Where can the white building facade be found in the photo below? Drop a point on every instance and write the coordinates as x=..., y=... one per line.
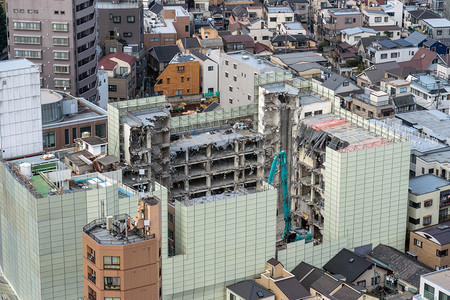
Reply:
x=279, y=14
x=20, y=109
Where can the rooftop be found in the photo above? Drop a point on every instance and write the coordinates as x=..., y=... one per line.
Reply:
x=117, y=235
x=426, y=184
x=16, y=64
x=255, y=61
x=219, y=138
x=356, y=136
x=441, y=278
x=182, y=58
x=50, y=96
x=279, y=9
x=439, y=233
x=300, y=57
x=356, y=30
x=217, y=197
x=431, y=122
x=348, y=264
x=281, y=87
x=250, y=290
x=344, y=11
x=437, y=23
x=146, y=117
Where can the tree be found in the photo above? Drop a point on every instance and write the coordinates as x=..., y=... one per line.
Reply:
x=3, y=32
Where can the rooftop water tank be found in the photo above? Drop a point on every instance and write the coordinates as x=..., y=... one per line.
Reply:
x=52, y=106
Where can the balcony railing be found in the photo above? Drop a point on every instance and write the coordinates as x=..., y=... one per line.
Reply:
x=92, y=278
x=91, y=257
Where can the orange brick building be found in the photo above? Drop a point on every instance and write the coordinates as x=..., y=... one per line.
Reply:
x=121, y=255
x=180, y=77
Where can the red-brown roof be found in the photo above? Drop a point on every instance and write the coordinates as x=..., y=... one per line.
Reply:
x=261, y=47
x=109, y=64
x=425, y=56
x=242, y=38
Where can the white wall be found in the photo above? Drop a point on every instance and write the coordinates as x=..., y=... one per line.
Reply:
x=355, y=38
x=210, y=78
x=403, y=54
x=20, y=109
x=102, y=88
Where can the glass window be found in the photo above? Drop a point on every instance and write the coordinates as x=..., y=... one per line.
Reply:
x=112, y=88
x=403, y=90
x=116, y=19
x=181, y=68
x=442, y=253
x=112, y=283
x=127, y=34
x=86, y=129
x=27, y=25
x=112, y=298
x=60, y=27
x=235, y=65
x=60, y=41
x=443, y=296
x=210, y=68
x=131, y=19
x=428, y=203
x=61, y=69
x=49, y=139
x=414, y=221
x=62, y=55
x=414, y=204
x=66, y=136
x=28, y=53
x=100, y=130
x=429, y=292
x=179, y=92
x=170, y=234
x=111, y=262
x=74, y=133
x=232, y=296
x=226, y=74
x=384, y=56
x=123, y=70
x=62, y=83
x=427, y=220
x=170, y=217
x=377, y=19
x=31, y=40
x=273, y=19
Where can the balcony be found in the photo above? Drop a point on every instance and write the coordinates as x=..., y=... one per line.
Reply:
x=91, y=258
x=92, y=278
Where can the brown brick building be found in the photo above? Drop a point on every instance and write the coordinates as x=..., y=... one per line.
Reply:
x=432, y=245
x=121, y=255
x=180, y=77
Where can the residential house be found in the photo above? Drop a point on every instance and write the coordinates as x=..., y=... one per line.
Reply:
x=344, y=58
x=436, y=28
x=263, y=50
x=290, y=59
x=172, y=23
x=281, y=282
x=326, y=286
x=365, y=42
x=356, y=269
x=391, y=31
x=334, y=20
x=121, y=70
x=371, y=104
x=431, y=92
x=256, y=11
x=180, y=77
x=249, y=290
x=340, y=85
x=258, y=30
x=238, y=42
x=209, y=74
x=373, y=74
x=431, y=245
x=279, y=14
x=427, y=60
x=187, y=44
x=159, y=57
x=400, y=92
x=395, y=50
x=394, y=9
x=416, y=38
x=435, y=283
x=406, y=270
x=310, y=70
x=427, y=195
x=353, y=35
x=288, y=43
x=293, y=28
x=413, y=18
x=436, y=46
x=376, y=17
x=300, y=8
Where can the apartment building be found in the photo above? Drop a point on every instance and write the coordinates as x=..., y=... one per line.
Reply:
x=430, y=91
x=121, y=28
x=121, y=70
x=171, y=24
x=436, y=28
x=66, y=118
x=279, y=14
x=428, y=196
x=237, y=77
x=66, y=56
x=430, y=245
x=383, y=51
x=180, y=77
x=20, y=115
x=433, y=285
x=46, y=261
x=121, y=254
x=376, y=17
x=370, y=104
x=353, y=35
x=209, y=74
x=333, y=20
